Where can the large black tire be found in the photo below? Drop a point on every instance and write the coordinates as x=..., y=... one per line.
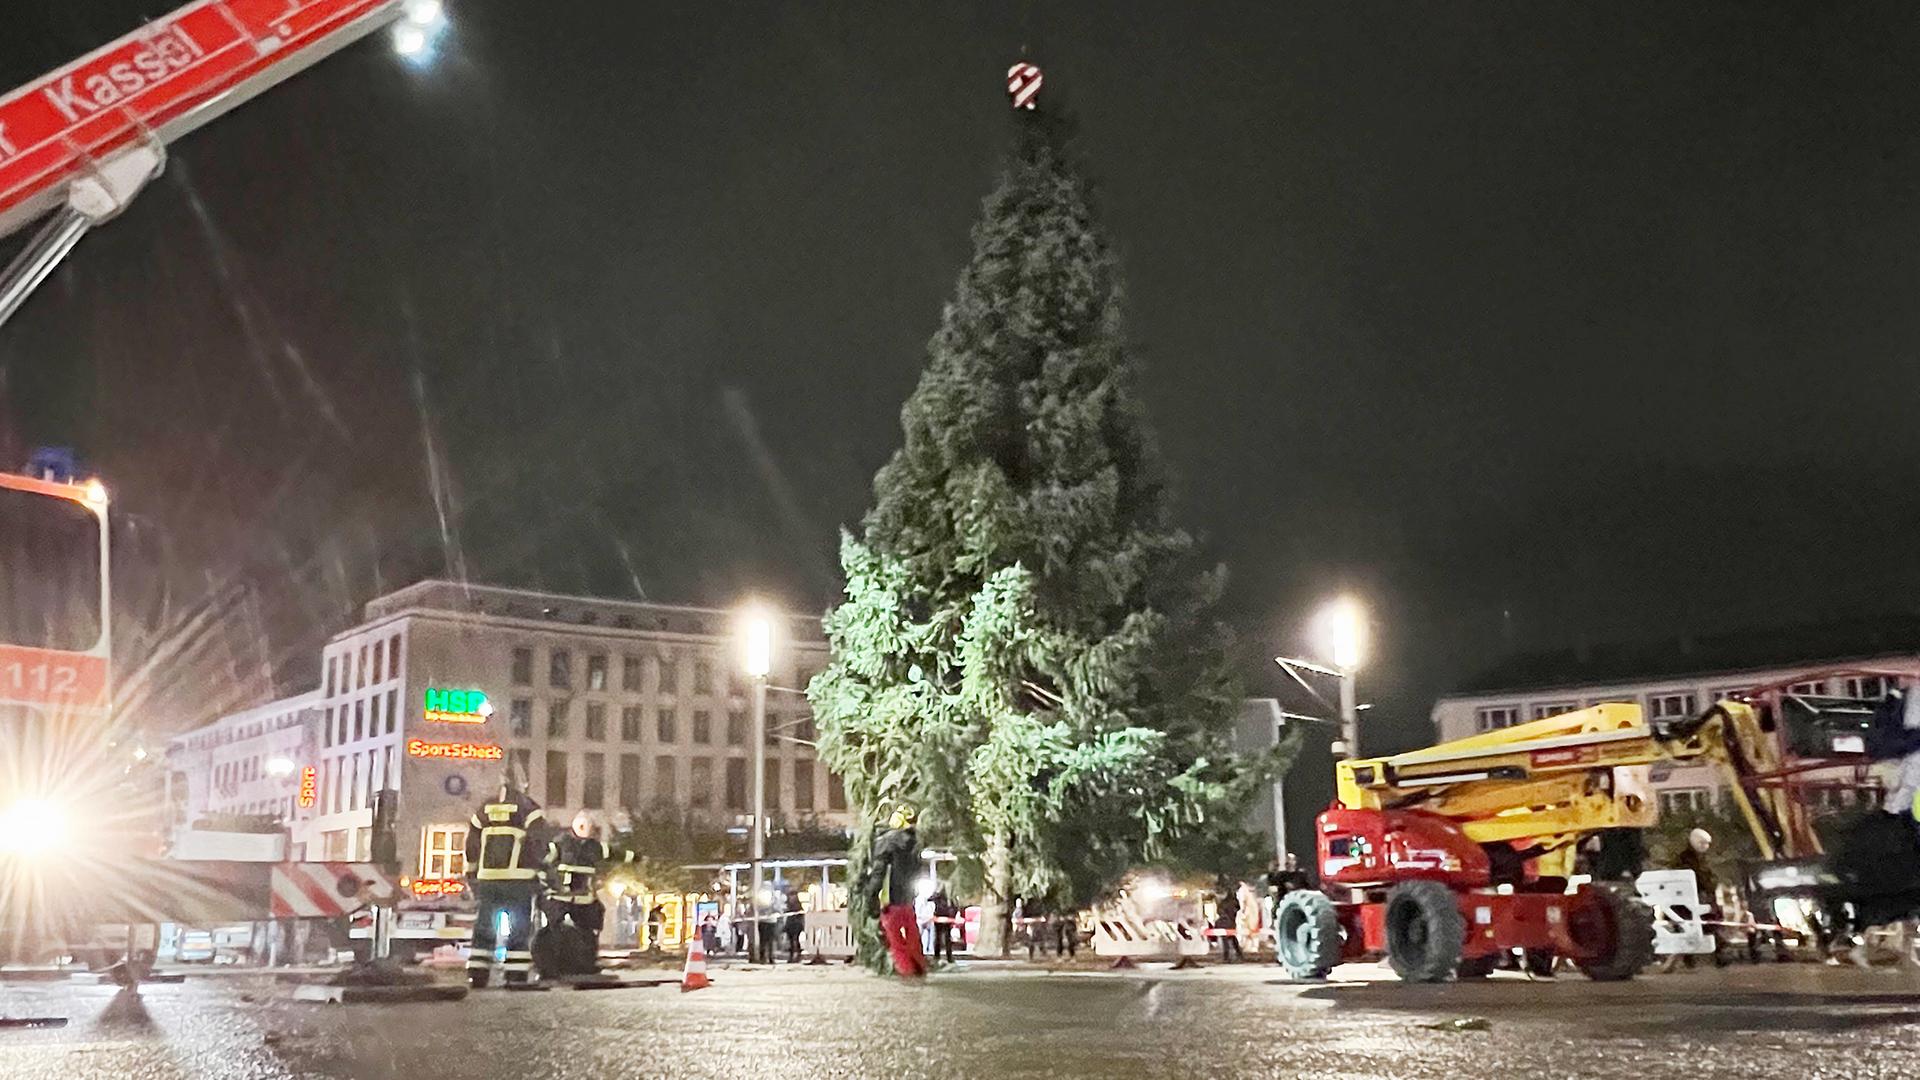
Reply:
x=1425, y=931
x=1306, y=934
x=1618, y=925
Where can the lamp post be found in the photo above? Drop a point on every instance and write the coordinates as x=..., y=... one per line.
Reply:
x=756, y=641
x=1341, y=627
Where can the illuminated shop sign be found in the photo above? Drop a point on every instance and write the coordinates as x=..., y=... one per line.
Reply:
x=431, y=887
x=309, y=786
x=457, y=706
x=455, y=751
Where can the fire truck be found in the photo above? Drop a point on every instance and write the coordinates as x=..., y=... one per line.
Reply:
x=76, y=146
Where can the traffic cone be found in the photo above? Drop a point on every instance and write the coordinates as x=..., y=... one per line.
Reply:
x=695, y=975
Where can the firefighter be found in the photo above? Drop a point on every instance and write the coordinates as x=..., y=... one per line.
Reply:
x=572, y=872
x=502, y=837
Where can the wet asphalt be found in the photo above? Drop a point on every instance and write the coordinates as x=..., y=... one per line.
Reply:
x=993, y=1021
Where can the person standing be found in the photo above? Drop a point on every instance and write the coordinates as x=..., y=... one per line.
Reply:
x=1694, y=857
x=943, y=915
x=656, y=927
x=572, y=872
x=1226, y=918
x=1066, y=934
x=795, y=925
x=888, y=885
x=502, y=836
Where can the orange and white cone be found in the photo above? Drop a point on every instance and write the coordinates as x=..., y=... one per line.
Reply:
x=695, y=975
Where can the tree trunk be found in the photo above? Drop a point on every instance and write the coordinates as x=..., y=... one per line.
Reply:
x=995, y=941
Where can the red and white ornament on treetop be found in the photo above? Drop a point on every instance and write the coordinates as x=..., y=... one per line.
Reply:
x=1023, y=84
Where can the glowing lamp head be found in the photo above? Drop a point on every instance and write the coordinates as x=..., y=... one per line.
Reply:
x=1341, y=630
x=756, y=641
x=32, y=827
x=279, y=766
x=409, y=39
x=95, y=492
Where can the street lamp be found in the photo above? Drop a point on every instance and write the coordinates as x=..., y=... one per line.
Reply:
x=1340, y=629
x=756, y=659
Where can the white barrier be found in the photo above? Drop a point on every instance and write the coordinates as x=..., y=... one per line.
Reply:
x=1674, y=896
x=828, y=935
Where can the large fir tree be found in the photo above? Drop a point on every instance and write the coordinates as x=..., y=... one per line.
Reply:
x=1027, y=650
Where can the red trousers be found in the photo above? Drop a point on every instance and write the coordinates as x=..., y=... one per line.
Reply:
x=902, y=932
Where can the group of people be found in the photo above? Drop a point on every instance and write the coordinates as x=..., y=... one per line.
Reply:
x=517, y=862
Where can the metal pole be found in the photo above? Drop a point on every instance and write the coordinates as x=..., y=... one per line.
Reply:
x=1279, y=804
x=1349, y=716
x=39, y=258
x=759, y=838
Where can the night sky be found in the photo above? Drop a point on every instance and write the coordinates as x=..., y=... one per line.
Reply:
x=1531, y=324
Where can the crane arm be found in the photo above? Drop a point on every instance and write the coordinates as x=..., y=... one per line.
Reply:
x=81, y=141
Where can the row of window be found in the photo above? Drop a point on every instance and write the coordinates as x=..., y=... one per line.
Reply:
x=1667, y=704
x=347, y=781
x=222, y=736
x=580, y=780
x=665, y=666
x=279, y=808
x=356, y=720
x=1695, y=800
x=666, y=723
x=229, y=773
x=370, y=665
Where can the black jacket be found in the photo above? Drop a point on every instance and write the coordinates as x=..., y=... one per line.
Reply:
x=895, y=866
x=502, y=837
x=573, y=867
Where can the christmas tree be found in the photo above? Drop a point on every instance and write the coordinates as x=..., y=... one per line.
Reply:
x=1027, y=651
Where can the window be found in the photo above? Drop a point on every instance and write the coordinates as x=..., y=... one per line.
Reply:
x=353, y=790
x=774, y=722
x=805, y=731
x=1551, y=708
x=443, y=851
x=557, y=718
x=1808, y=689
x=520, y=717
x=700, y=783
x=1493, y=717
x=1669, y=706
x=1726, y=692
x=1686, y=800
x=664, y=788
x=360, y=670
x=737, y=784
x=560, y=670
x=379, y=664
x=333, y=669
x=523, y=667
x=359, y=720
x=669, y=678
x=597, y=672
x=666, y=726
x=593, y=786
x=630, y=673
x=773, y=786
x=556, y=777
x=326, y=730
x=629, y=781
x=803, y=785
x=702, y=726
x=393, y=708
x=736, y=728
x=596, y=721
x=373, y=710
x=1864, y=687
x=702, y=677
x=393, y=657
x=522, y=765
x=630, y=724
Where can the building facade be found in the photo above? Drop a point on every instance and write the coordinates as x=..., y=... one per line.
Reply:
x=246, y=763
x=610, y=706
x=1536, y=687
